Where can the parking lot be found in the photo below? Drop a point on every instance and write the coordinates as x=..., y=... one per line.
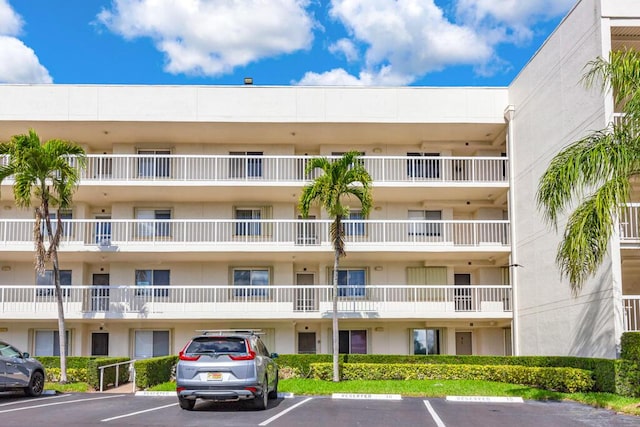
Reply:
x=92, y=409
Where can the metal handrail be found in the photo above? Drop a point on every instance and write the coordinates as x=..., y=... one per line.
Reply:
x=132, y=369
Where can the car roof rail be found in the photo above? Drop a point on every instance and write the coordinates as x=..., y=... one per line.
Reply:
x=230, y=331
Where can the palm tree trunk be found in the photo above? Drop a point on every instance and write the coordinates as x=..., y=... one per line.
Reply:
x=334, y=317
x=61, y=329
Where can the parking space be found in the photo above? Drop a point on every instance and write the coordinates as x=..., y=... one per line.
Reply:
x=87, y=409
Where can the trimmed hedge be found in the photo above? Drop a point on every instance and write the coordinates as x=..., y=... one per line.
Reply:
x=150, y=372
x=73, y=362
x=93, y=373
x=74, y=375
x=630, y=346
x=604, y=370
x=568, y=380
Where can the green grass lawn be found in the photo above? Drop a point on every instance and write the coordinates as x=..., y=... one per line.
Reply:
x=442, y=388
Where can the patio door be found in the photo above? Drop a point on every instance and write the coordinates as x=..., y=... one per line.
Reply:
x=100, y=293
x=462, y=297
x=305, y=296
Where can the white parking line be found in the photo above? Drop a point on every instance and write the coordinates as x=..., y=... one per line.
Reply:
x=138, y=412
x=275, y=417
x=59, y=403
x=18, y=402
x=434, y=415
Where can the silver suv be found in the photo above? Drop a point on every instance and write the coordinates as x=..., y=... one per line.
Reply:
x=226, y=366
x=20, y=372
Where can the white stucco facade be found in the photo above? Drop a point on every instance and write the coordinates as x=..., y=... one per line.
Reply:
x=186, y=215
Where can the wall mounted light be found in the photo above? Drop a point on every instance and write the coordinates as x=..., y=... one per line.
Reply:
x=377, y=150
x=248, y=80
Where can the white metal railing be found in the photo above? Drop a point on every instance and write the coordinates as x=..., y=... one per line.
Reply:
x=213, y=301
x=132, y=373
x=629, y=219
x=631, y=312
x=299, y=232
x=252, y=168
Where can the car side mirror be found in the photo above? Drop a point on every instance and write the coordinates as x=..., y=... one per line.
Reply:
x=25, y=355
x=274, y=355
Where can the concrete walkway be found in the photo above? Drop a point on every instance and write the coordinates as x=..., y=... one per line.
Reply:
x=121, y=389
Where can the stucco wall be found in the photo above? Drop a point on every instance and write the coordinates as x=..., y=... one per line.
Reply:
x=552, y=109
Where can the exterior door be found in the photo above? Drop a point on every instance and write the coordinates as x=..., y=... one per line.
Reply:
x=100, y=344
x=462, y=297
x=306, y=343
x=463, y=343
x=100, y=293
x=103, y=230
x=305, y=296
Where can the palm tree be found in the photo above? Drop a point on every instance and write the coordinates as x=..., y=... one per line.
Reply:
x=44, y=172
x=341, y=179
x=596, y=171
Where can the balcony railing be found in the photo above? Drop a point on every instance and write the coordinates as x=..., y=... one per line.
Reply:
x=631, y=312
x=401, y=301
x=629, y=217
x=288, y=169
x=298, y=232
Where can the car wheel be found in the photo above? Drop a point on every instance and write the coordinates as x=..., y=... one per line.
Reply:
x=273, y=394
x=187, y=404
x=260, y=402
x=36, y=385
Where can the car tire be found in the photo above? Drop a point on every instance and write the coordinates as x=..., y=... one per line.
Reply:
x=273, y=394
x=186, y=404
x=260, y=401
x=36, y=385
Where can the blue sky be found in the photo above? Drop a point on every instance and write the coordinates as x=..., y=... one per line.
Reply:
x=277, y=42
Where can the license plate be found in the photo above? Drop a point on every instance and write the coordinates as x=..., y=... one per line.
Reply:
x=214, y=376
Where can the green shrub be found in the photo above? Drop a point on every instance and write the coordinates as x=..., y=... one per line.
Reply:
x=74, y=375
x=301, y=363
x=154, y=371
x=558, y=379
x=627, y=381
x=73, y=362
x=630, y=346
x=109, y=376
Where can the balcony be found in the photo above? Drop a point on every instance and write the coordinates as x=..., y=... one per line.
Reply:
x=229, y=169
x=631, y=312
x=629, y=217
x=257, y=302
x=281, y=235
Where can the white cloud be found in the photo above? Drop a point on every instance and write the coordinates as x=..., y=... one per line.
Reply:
x=18, y=62
x=406, y=39
x=10, y=21
x=515, y=19
x=213, y=37
x=345, y=47
x=340, y=77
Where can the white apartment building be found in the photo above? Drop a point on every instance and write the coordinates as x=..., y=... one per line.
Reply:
x=186, y=215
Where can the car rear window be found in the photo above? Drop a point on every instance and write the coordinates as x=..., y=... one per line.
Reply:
x=217, y=345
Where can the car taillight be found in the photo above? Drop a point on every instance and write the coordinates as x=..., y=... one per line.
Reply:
x=183, y=356
x=250, y=356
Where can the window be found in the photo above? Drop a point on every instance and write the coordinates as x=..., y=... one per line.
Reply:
x=150, y=344
x=351, y=282
x=47, y=343
x=421, y=226
x=246, y=164
x=47, y=280
x=422, y=166
x=67, y=227
x=154, y=164
x=426, y=341
x=159, y=224
x=250, y=277
x=352, y=342
x=245, y=226
x=148, y=278
x=354, y=228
